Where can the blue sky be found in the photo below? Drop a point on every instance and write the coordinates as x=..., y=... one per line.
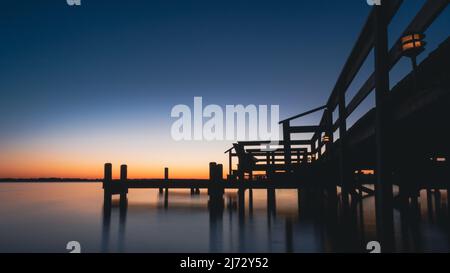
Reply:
x=116, y=68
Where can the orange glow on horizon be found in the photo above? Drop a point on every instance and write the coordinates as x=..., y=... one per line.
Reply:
x=75, y=154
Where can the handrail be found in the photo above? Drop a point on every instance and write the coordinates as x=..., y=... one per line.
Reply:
x=303, y=114
x=427, y=14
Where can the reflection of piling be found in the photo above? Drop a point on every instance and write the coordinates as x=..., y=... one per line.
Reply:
x=271, y=201
x=250, y=202
x=437, y=202
x=448, y=199
x=122, y=224
x=289, y=236
x=241, y=205
x=106, y=226
x=166, y=198
x=430, y=205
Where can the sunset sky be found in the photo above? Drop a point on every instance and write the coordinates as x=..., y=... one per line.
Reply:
x=81, y=86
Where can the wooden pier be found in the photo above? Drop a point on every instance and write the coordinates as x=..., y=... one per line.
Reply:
x=402, y=141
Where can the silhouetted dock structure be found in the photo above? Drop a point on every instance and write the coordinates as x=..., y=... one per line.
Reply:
x=403, y=140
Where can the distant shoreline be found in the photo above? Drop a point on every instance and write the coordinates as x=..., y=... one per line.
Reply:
x=47, y=180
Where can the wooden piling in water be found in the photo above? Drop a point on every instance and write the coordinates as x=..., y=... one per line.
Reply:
x=107, y=179
x=215, y=189
x=166, y=178
x=123, y=186
x=107, y=175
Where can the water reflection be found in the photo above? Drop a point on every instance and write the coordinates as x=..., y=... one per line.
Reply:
x=46, y=216
x=307, y=220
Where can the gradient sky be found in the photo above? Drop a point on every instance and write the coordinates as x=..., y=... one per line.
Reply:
x=81, y=86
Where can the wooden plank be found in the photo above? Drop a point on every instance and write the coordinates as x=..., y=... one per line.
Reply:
x=279, y=143
x=306, y=129
x=277, y=151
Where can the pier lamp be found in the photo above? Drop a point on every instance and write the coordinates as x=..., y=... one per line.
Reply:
x=412, y=45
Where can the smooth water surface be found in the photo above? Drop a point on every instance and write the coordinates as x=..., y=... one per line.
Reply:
x=44, y=217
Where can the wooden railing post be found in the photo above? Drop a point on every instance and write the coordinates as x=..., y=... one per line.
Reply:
x=329, y=131
x=287, y=144
x=344, y=176
x=383, y=185
x=230, y=163
x=319, y=146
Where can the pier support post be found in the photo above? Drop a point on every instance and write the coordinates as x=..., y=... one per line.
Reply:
x=383, y=185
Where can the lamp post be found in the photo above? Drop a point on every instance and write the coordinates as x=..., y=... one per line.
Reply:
x=412, y=45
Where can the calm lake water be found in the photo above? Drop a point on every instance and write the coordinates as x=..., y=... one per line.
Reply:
x=44, y=217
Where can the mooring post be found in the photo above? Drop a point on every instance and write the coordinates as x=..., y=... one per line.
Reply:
x=123, y=185
x=107, y=180
x=212, y=171
x=166, y=177
x=212, y=177
x=219, y=179
x=215, y=187
x=219, y=172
